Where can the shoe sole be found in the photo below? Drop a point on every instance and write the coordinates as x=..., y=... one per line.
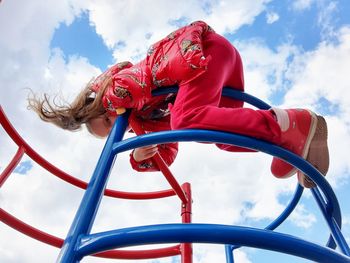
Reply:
x=313, y=128
x=318, y=154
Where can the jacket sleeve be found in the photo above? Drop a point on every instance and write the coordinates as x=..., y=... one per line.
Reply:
x=128, y=88
x=167, y=151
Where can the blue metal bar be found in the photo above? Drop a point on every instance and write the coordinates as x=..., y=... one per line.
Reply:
x=238, y=140
x=86, y=213
x=333, y=222
x=285, y=213
x=325, y=211
x=229, y=253
x=239, y=95
x=208, y=233
x=338, y=236
x=232, y=139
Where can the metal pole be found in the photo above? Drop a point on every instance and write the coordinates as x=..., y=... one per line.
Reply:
x=186, y=214
x=86, y=213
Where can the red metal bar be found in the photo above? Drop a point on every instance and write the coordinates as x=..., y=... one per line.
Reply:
x=12, y=165
x=139, y=196
x=141, y=254
x=11, y=131
x=28, y=230
x=163, y=167
x=186, y=214
x=44, y=237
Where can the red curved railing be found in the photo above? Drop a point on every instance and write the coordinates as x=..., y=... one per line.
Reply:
x=11, y=131
x=49, y=239
x=15, y=223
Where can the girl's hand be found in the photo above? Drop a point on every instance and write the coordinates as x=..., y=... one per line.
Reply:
x=144, y=153
x=120, y=111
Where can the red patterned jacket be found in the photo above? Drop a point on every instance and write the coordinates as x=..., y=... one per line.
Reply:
x=176, y=59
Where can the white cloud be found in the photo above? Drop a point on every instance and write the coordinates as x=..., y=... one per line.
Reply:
x=215, y=253
x=326, y=17
x=313, y=74
x=302, y=4
x=134, y=25
x=272, y=17
x=302, y=217
x=265, y=68
x=324, y=73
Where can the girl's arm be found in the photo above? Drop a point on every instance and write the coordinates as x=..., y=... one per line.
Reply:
x=167, y=151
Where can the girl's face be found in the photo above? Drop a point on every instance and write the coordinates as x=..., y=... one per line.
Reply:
x=102, y=125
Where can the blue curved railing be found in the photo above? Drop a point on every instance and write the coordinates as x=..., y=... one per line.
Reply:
x=208, y=233
x=80, y=242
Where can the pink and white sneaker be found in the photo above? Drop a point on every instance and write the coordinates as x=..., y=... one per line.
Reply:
x=305, y=134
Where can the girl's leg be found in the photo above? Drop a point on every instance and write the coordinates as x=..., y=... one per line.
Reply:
x=198, y=102
x=198, y=106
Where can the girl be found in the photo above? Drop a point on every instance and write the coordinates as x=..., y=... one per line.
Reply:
x=201, y=62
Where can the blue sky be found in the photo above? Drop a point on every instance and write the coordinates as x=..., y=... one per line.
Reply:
x=80, y=39
x=302, y=28
x=295, y=54
x=24, y=167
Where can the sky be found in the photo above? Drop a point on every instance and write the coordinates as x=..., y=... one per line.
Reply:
x=295, y=54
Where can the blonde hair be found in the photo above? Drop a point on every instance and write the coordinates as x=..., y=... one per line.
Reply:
x=70, y=116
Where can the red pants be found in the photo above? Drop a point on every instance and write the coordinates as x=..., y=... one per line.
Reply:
x=199, y=103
